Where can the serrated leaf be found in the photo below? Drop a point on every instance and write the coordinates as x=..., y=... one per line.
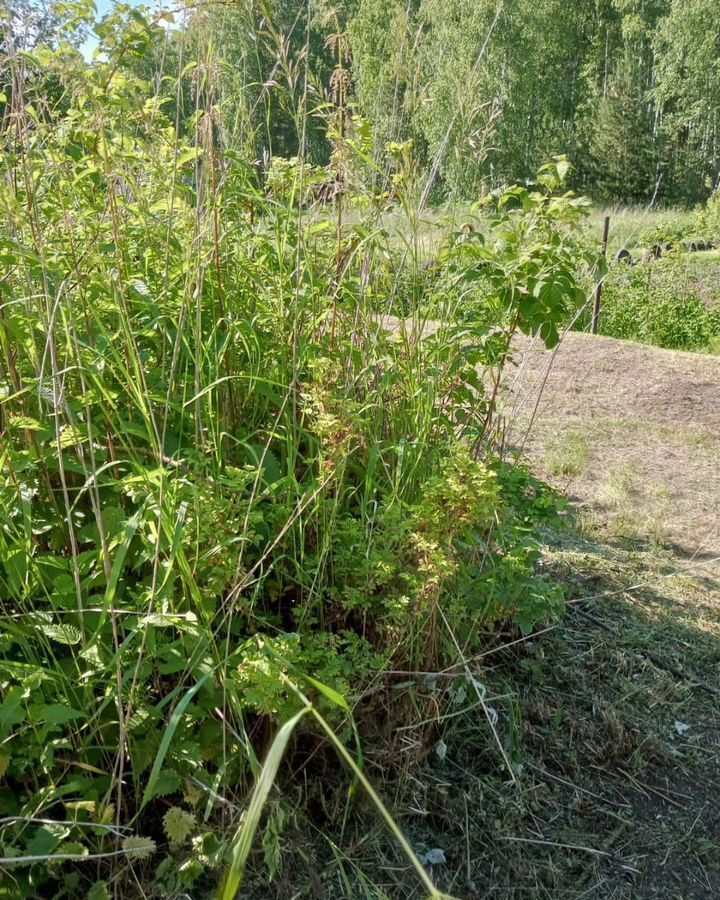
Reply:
x=92, y=656
x=167, y=782
x=63, y=634
x=139, y=847
x=70, y=437
x=71, y=848
x=99, y=891
x=25, y=423
x=178, y=824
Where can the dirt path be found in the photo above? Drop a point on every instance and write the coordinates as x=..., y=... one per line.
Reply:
x=629, y=432
x=632, y=434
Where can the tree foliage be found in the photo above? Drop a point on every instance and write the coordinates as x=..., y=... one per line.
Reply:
x=628, y=88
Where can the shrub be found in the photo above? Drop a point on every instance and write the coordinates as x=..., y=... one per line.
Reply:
x=220, y=470
x=673, y=230
x=660, y=304
x=707, y=219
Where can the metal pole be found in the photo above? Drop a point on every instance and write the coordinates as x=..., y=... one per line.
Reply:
x=598, y=289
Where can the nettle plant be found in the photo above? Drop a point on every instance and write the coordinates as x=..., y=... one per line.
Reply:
x=220, y=472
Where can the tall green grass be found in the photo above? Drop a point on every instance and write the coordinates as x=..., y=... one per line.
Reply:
x=228, y=470
x=636, y=228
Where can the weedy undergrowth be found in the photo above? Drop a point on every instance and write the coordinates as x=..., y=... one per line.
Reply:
x=670, y=303
x=228, y=482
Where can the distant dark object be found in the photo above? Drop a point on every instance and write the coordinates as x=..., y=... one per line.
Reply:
x=698, y=245
x=328, y=191
x=430, y=268
x=658, y=250
x=623, y=256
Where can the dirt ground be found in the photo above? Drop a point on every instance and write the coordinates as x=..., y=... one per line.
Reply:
x=631, y=433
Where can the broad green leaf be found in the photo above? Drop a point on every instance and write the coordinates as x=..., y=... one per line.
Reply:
x=12, y=709
x=55, y=713
x=332, y=695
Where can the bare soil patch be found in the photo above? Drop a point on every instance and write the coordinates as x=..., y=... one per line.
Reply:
x=631, y=432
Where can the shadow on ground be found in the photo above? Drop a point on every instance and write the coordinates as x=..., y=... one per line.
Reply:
x=617, y=750
x=610, y=720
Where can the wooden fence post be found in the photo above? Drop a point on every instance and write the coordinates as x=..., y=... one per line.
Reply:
x=598, y=289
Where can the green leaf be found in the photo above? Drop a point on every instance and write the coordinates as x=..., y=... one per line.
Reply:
x=167, y=738
x=55, y=713
x=71, y=848
x=178, y=824
x=332, y=695
x=242, y=843
x=25, y=423
x=131, y=527
x=63, y=634
x=189, y=156
x=12, y=711
x=99, y=891
x=46, y=839
x=168, y=782
x=139, y=847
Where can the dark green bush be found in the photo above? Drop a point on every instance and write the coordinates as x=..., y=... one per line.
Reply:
x=671, y=303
